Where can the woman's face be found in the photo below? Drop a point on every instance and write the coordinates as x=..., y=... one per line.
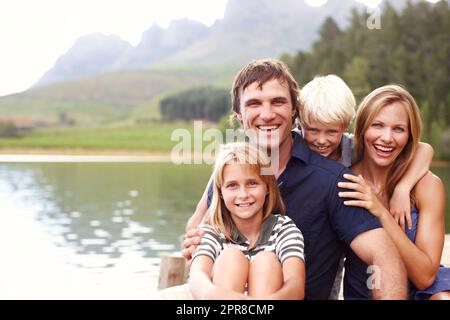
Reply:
x=387, y=135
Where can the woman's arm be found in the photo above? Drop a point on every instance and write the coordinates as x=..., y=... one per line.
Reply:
x=294, y=279
x=430, y=237
x=201, y=285
x=399, y=203
x=422, y=258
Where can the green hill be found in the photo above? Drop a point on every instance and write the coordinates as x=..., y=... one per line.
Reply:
x=110, y=97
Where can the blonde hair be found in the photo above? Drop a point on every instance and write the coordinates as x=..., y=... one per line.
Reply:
x=369, y=109
x=218, y=216
x=327, y=99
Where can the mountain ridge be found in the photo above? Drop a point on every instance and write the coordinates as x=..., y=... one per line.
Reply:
x=250, y=29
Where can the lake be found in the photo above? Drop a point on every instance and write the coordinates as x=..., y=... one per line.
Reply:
x=95, y=230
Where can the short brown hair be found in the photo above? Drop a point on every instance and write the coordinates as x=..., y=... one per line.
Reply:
x=262, y=71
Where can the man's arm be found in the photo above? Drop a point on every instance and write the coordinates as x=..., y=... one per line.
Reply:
x=400, y=201
x=199, y=213
x=193, y=234
x=376, y=249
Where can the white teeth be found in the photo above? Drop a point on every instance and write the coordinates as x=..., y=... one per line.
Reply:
x=267, y=127
x=244, y=205
x=383, y=149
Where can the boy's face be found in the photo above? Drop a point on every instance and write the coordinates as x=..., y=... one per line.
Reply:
x=324, y=138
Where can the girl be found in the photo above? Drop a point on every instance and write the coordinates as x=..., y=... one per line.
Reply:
x=248, y=243
x=387, y=132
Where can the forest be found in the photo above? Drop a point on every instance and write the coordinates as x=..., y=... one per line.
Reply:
x=411, y=48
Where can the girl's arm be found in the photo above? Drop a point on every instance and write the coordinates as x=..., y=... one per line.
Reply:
x=399, y=203
x=201, y=285
x=294, y=279
x=422, y=258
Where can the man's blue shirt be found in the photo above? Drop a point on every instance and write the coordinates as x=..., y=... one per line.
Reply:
x=309, y=189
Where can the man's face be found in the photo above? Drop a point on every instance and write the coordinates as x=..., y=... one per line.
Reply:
x=324, y=138
x=266, y=113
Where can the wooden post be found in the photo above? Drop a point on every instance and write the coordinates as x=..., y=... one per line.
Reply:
x=172, y=270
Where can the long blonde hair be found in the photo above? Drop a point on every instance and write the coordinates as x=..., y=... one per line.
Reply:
x=218, y=216
x=369, y=109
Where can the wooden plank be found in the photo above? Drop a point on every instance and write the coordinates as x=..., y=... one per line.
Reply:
x=172, y=271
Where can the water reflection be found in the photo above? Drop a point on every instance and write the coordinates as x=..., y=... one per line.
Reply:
x=104, y=215
x=108, y=208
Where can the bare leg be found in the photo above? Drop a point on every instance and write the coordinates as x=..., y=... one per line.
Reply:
x=265, y=276
x=444, y=295
x=231, y=270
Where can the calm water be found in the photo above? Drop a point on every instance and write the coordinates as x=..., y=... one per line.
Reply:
x=93, y=230
x=102, y=224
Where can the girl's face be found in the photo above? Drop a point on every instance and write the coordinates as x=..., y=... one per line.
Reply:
x=388, y=134
x=243, y=192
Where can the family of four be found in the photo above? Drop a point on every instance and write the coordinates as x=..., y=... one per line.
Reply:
x=285, y=231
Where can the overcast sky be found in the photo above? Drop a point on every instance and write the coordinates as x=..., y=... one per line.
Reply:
x=33, y=34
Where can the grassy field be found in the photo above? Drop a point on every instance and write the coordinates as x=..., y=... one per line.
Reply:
x=152, y=137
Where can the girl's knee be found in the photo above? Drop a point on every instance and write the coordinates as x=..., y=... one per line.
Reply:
x=265, y=257
x=265, y=275
x=266, y=262
x=232, y=253
x=232, y=259
x=230, y=270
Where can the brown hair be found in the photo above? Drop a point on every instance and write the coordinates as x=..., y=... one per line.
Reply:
x=262, y=71
x=369, y=109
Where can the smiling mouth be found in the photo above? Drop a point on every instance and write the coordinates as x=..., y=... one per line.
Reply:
x=267, y=128
x=321, y=148
x=383, y=150
x=245, y=204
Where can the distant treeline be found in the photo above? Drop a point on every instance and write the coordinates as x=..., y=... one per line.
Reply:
x=201, y=103
x=412, y=48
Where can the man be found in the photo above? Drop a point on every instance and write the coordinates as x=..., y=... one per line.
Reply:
x=265, y=100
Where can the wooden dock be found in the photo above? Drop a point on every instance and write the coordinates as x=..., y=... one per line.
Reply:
x=182, y=292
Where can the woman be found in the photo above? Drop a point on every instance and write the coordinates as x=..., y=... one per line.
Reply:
x=387, y=133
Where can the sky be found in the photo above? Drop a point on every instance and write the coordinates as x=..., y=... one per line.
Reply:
x=34, y=34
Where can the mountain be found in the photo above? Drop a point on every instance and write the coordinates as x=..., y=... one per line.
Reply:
x=157, y=43
x=250, y=29
x=262, y=28
x=91, y=54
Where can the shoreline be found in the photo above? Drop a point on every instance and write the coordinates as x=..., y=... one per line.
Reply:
x=106, y=155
